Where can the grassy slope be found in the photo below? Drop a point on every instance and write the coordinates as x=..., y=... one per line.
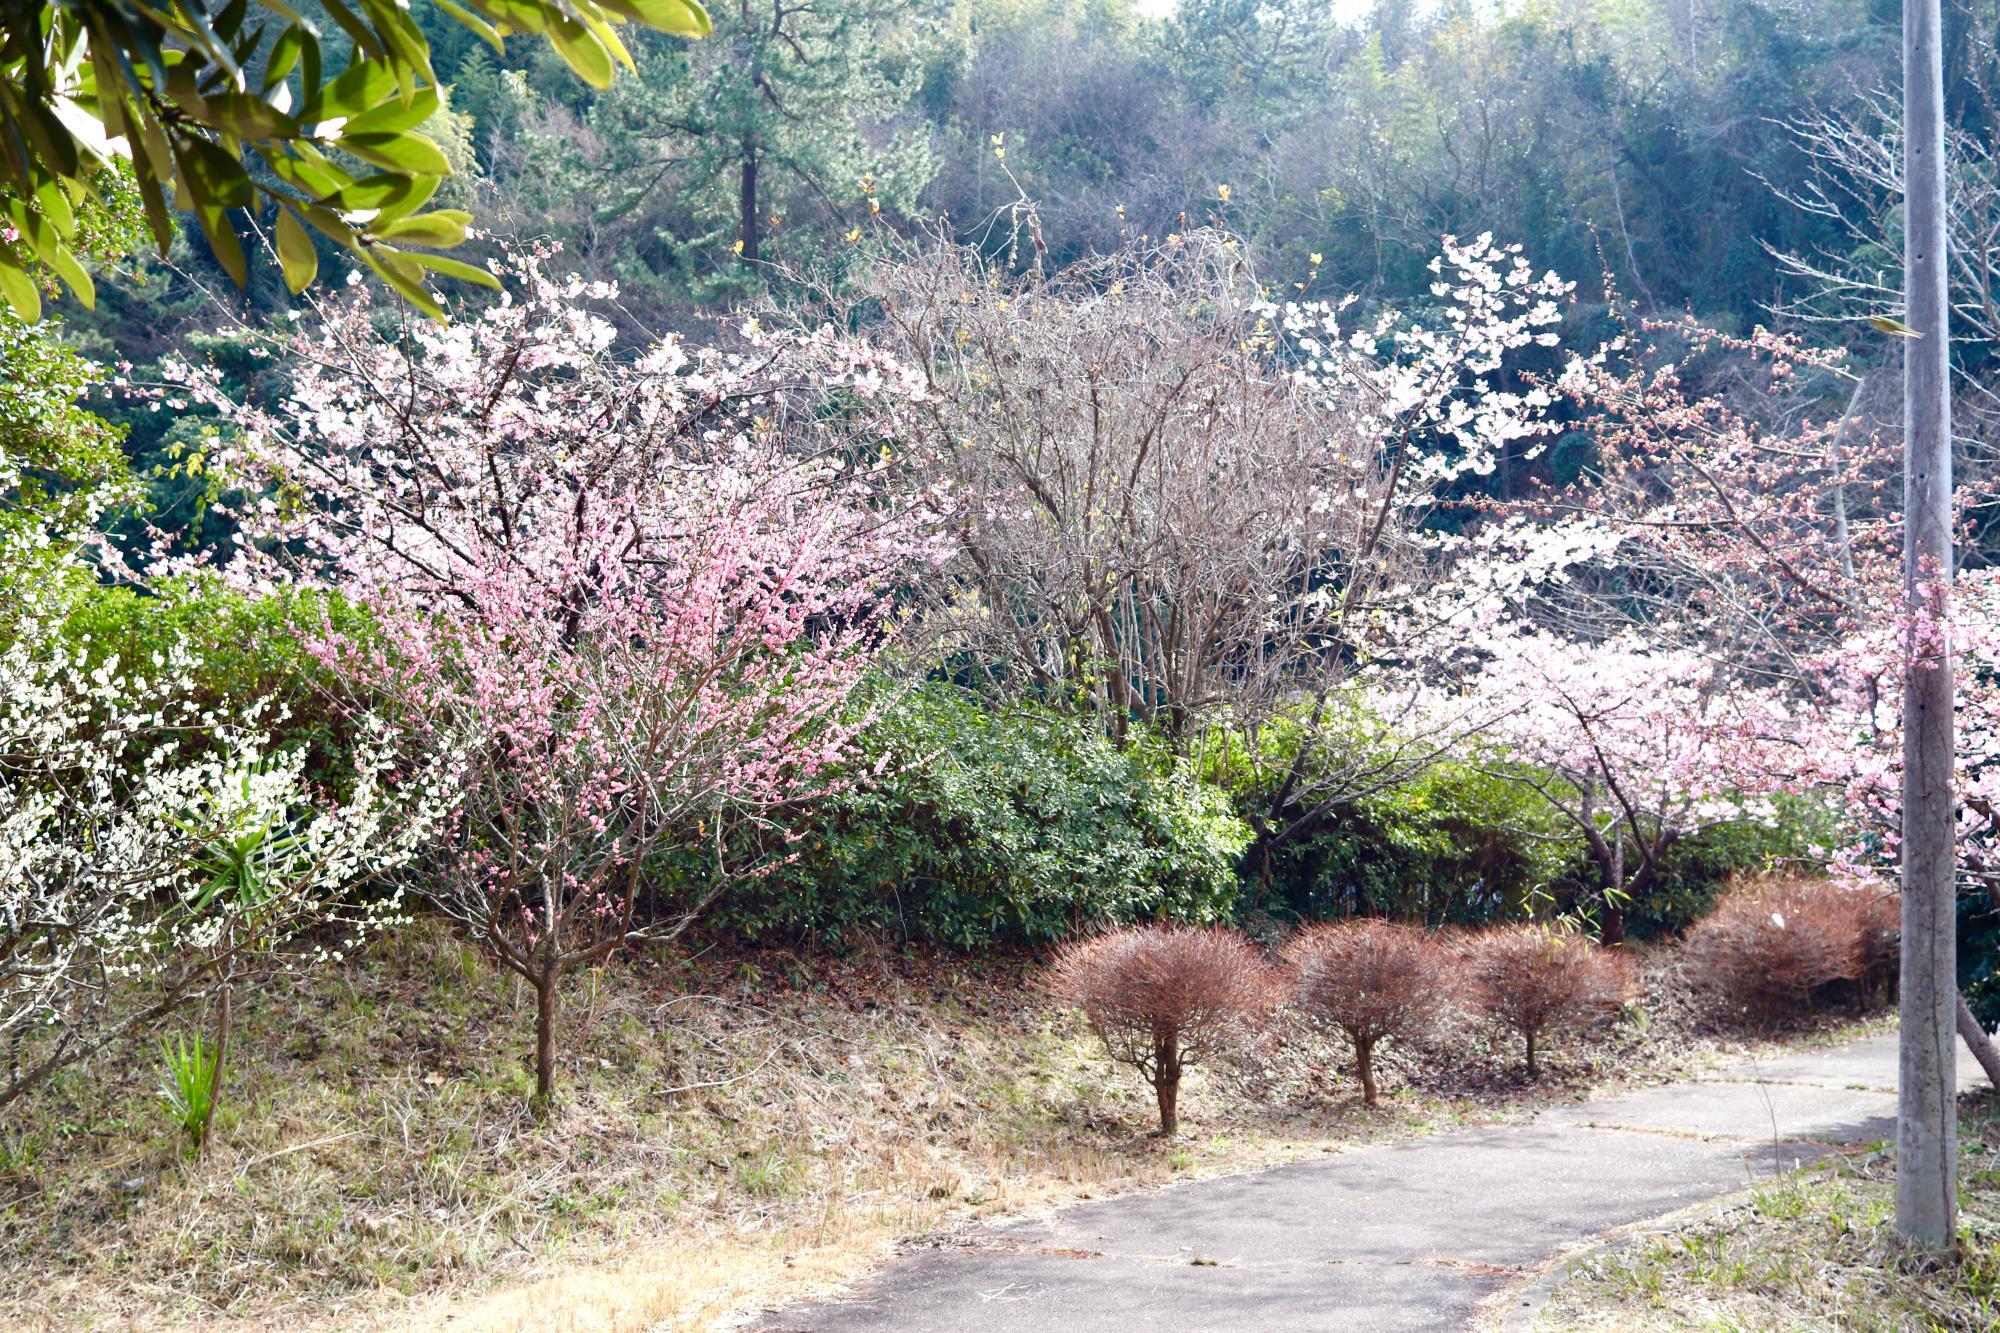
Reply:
x=734, y=1131
x=1813, y=1251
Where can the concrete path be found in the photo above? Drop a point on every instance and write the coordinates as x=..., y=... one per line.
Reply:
x=1422, y=1234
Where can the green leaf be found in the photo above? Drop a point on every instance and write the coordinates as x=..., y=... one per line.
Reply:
x=607, y=36
x=285, y=53
x=581, y=51
x=20, y=291
x=74, y=275
x=215, y=183
x=479, y=26
x=210, y=173
x=361, y=87
x=443, y=228
x=310, y=172
x=402, y=273
x=408, y=152
x=364, y=36
x=249, y=117
x=41, y=235
x=378, y=191
x=49, y=136
x=520, y=15
x=329, y=224
x=296, y=254
x=56, y=208
x=681, y=17
x=452, y=268
x=393, y=116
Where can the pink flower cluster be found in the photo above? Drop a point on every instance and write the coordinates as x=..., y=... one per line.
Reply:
x=626, y=595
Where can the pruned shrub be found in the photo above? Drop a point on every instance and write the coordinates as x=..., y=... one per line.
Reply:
x=1774, y=943
x=1373, y=980
x=1163, y=997
x=1534, y=980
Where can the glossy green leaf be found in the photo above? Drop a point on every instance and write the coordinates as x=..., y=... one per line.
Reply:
x=520, y=15
x=443, y=229
x=250, y=117
x=581, y=51
x=361, y=87
x=20, y=291
x=454, y=268
x=309, y=172
x=64, y=263
x=406, y=151
x=403, y=274
x=1886, y=324
x=485, y=31
x=393, y=116
x=56, y=208
x=676, y=16
x=296, y=255
x=211, y=174
x=284, y=57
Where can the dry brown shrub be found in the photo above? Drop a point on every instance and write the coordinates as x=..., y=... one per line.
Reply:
x=1164, y=997
x=1535, y=980
x=1374, y=980
x=1773, y=942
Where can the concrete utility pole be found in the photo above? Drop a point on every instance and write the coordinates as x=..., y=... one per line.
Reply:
x=1927, y=1111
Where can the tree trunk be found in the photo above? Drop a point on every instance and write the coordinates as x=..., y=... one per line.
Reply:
x=1927, y=1112
x=746, y=203
x=1611, y=930
x=1979, y=1041
x=1167, y=1082
x=1364, y=1065
x=545, y=1041
x=1533, y=1071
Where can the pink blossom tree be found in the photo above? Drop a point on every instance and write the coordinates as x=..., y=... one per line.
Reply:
x=1637, y=746
x=627, y=597
x=1745, y=503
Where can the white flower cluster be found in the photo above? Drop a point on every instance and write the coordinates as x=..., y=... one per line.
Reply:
x=1429, y=382
x=149, y=848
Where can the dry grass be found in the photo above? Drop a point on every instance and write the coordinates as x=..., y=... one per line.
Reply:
x=734, y=1131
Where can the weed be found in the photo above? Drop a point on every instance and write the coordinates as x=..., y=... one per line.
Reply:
x=189, y=1087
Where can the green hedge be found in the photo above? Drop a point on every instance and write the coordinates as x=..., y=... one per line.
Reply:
x=991, y=824
x=1454, y=845
x=1459, y=844
x=247, y=648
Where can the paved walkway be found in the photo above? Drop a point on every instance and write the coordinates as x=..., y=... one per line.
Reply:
x=1412, y=1235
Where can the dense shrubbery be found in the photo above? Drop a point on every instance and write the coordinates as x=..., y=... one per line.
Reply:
x=1450, y=846
x=242, y=648
x=994, y=824
x=1776, y=943
x=1455, y=843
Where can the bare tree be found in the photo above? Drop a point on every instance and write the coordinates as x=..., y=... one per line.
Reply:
x=1155, y=521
